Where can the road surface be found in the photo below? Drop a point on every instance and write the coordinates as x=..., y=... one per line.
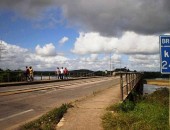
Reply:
x=16, y=109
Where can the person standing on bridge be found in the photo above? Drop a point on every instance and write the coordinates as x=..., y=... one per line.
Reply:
x=58, y=73
x=65, y=73
x=61, y=73
x=27, y=73
x=31, y=73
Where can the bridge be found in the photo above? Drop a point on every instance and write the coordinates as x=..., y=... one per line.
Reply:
x=130, y=82
x=23, y=101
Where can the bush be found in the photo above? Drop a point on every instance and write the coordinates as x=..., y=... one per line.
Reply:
x=150, y=113
x=122, y=107
x=127, y=106
x=47, y=121
x=162, y=97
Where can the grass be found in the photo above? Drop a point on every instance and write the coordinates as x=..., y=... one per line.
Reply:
x=149, y=113
x=47, y=121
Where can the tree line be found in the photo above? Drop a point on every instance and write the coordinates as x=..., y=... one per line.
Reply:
x=17, y=75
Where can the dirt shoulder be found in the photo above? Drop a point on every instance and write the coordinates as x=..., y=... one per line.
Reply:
x=86, y=114
x=158, y=82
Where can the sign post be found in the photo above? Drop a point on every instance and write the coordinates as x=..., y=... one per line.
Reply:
x=164, y=41
x=165, y=53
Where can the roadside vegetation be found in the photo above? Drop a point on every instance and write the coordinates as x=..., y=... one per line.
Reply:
x=150, y=112
x=47, y=121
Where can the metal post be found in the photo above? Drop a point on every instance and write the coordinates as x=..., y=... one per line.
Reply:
x=110, y=63
x=8, y=76
x=131, y=82
x=126, y=84
x=41, y=76
x=134, y=79
x=121, y=86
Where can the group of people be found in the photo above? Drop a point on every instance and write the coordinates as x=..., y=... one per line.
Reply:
x=62, y=73
x=29, y=73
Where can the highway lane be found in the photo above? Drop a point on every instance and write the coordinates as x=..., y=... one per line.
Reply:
x=29, y=88
x=18, y=108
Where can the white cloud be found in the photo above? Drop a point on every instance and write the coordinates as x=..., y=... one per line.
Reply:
x=47, y=50
x=116, y=57
x=133, y=51
x=63, y=40
x=132, y=43
x=145, y=62
x=12, y=56
x=129, y=43
x=90, y=58
x=93, y=43
x=15, y=57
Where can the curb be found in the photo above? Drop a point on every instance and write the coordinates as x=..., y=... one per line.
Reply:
x=39, y=82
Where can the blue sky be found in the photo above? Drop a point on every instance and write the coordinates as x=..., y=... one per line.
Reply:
x=27, y=33
x=82, y=34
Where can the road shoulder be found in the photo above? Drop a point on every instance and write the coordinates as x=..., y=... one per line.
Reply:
x=86, y=114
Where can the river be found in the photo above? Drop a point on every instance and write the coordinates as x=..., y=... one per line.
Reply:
x=148, y=89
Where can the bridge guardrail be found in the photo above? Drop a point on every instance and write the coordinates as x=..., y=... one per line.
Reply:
x=127, y=82
x=19, y=76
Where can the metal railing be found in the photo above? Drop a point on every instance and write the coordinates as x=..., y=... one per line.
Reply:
x=127, y=82
x=19, y=76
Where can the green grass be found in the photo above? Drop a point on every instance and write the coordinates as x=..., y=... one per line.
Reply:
x=47, y=121
x=149, y=113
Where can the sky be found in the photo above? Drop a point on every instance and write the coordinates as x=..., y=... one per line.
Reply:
x=81, y=34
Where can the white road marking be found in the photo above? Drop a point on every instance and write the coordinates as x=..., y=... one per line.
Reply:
x=14, y=115
x=61, y=123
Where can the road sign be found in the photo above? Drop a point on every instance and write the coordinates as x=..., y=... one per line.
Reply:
x=164, y=41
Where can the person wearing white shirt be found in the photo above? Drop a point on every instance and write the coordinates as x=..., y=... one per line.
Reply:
x=58, y=73
x=61, y=73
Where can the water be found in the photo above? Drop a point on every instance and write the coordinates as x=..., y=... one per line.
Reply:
x=148, y=89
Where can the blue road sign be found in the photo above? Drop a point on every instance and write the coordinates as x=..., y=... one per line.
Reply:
x=164, y=41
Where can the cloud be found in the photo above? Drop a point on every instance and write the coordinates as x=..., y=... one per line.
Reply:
x=93, y=43
x=63, y=40
x=27, y=8
x=112, y=18
x=132, y=43
x=14, y=57
x=134, y=51
x=11, y=55
x=129, y=43
x=47, y=50
x=145, y=62
x=144, y=59
x=109, y=17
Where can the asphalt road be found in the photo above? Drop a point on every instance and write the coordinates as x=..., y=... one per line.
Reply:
x=16, y=109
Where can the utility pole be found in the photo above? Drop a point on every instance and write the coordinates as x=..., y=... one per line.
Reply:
x=1, y=50
x=110, y=64
x=111, y=61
